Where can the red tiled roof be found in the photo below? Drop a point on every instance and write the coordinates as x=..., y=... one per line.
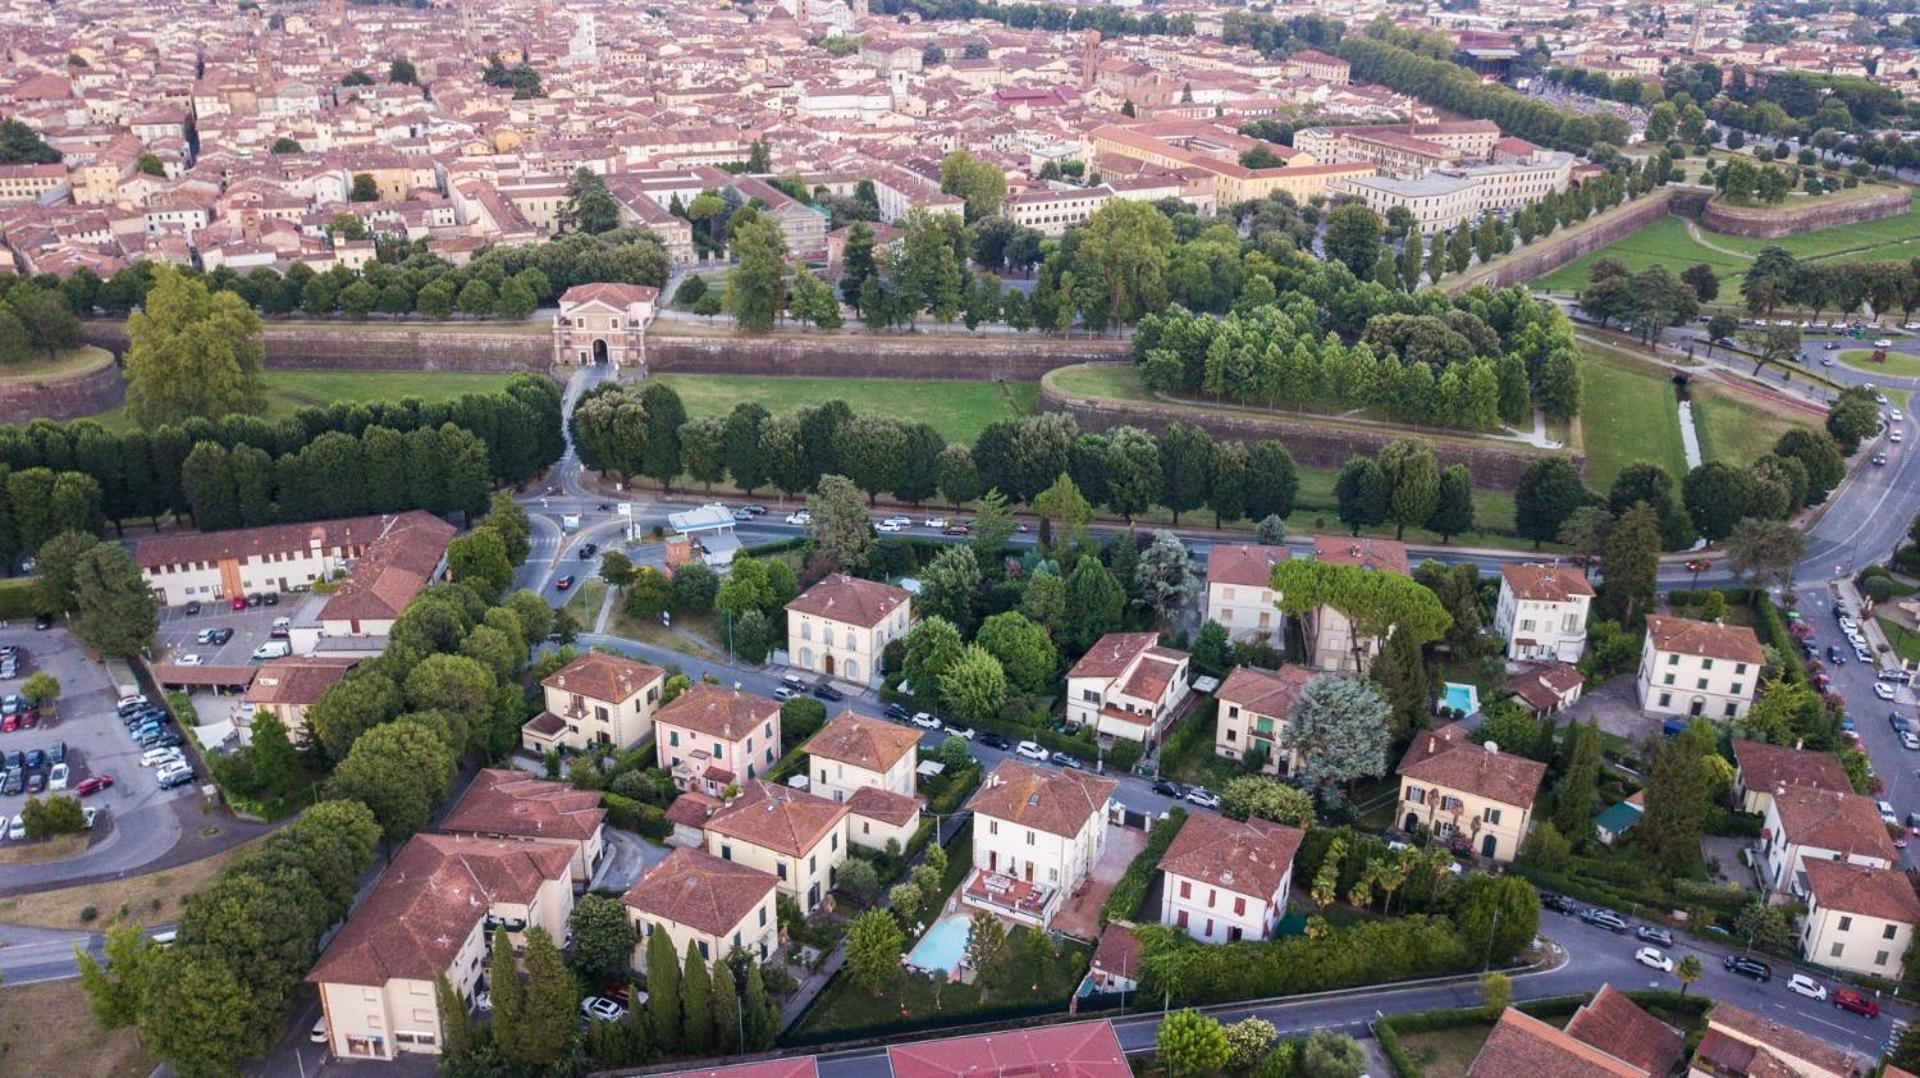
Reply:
x=1735, y=643
x=1263, y=693
x=1078, y=1050
x=1871, y=892
x=1842, y=821
x=1786, y=1041
x=728, y=714
x=862, y=742
x=599, y=676
x=393, y=568
x=1118, y=952
x=850, y=600
x=778, y=818
x=1057, y=802
x=1546, y=583
x=427, y=903
x=1383, y=554
x=693, y=888
x=1246, y=564
x=502, y=801
x=1110, y=655
x=1524, y=1045
x=1617, y=1026
x=1445, y=757
x=1767, y=767
x=611, y=293
x=1248, y=858
x=297, y=680
x=894, y=809
x=803, y=1067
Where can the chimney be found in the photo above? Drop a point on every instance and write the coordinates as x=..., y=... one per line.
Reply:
x=1492, y=748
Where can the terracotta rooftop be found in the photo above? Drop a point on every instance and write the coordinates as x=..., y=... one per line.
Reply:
x=1619, y=1027
x=599, y=676
x=1078, y=1050
x=850, y=600
x=1842, y=821
x=1057, y=802
x=694, y=888
x=1383, y=554
x=611, y=293
x=1445, y=757
x=1778, y=1038
x=1248, y=858
x=1735, y=643
x=801, y=1067
x=894, y=809
x=502, y=801
x=1766, y=767
x=392, y=569
x=1542, y=686
x=175, y=549
x=1118, y=952
x=1546, y=583
x=1263, y=693
x=862, y=742
x=1871, y=892
x=1244, y=564
x=778, y=818
x=1523, y=1045
x=728, y=714
x=1110, y=655
x=428, y=902
x=297, y=681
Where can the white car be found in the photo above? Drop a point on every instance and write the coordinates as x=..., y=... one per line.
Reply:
x=1883, y=343
x=1895, y=436
x=1203, y=797
x=1804, y=985
x=318, y=1034
x=1887, y=815
x=936, y=522
x=1910, y=740
x=962, y=732
x=1030, y=750
x=159, y=757
x=1654, y=958
x=188, y=660
x=1847, y=624
x=91, y=814
x=1883, y=690
x=904, y=522
x=924, y=721
x=802, y=517
x=483, y=999
x=1897, y=415
x=17, y=830
x=602, y=1008
x=169, y=774
x=57, y=778
x=1861, y=653
x=889, y=526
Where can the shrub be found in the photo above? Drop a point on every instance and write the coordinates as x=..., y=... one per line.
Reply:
x=630, y=815
x=19, y=599
x=1370, y=952
x=88, y=913
x=1123, y=903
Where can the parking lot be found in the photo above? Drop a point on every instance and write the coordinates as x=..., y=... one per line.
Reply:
x=180, y=631
x=83, y=718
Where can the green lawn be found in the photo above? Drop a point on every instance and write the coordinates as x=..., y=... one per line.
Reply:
x=1116, y=380
x=63, y=365
x=1666, y=241
x=1628, y=414
x=1906, y=643
x=958, y=409
x=1445, y=1053
x=291, y=390
x=1898, y=364
x=1033, y=979
x=1733, y=428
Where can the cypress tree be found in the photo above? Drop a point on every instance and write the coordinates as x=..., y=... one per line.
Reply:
x=663, y=990
x=696, y=1031
x=456, y=1025
x=760, y=1020
x=724, y=1003
x=509, y=996
x=1573, y=803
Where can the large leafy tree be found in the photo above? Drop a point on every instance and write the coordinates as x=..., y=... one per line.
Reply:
x=1353, y=237
x=1120, y=265
x=1765, y=552
x=873, y=947
x=1549, y=491
x=974, y=686
x=1413, y=483
x=1094, y=603
x=756, y=289
x=1340, y=728
x=602, y=938
x=1026, y=653
x=1189, y=1042
x=401, y=771
x=192, y=353
x=1374, y=602
x=116, y=613
x=1360, y=489
x=1164, y=577
x=842, y=533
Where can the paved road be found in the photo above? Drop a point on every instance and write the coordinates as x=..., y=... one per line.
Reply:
x=30, y=955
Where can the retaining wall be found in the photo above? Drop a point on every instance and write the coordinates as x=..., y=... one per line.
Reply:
x=71, y=397
x=333, y=346
x=983, y=358
x=1768, y=222
x=1543, y=256
x=1313, y=442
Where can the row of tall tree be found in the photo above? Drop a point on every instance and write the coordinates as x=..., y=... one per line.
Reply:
x=1474, y=361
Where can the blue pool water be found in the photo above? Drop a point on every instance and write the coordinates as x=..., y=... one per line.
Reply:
x=1464, y=698
x=941, y=948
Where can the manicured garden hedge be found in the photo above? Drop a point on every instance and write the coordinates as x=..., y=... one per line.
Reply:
x=1370, y=952
x=19, y=599
x=1123, y=904
x=631, y=815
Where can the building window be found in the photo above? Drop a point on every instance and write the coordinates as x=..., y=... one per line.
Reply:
x=1706, y=664
x=1846, y=923
x=1880, y=958
x=1887, y=932
x=1837, y=949
x=1739, y=668
x=1736, y=688
x=1666, y=699
x=1493, y=817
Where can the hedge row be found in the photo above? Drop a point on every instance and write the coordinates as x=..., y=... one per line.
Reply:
x=1124, y=903
x=18, y=599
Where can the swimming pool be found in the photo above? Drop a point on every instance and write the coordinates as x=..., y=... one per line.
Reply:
x=1462, y=698
x=940, y=949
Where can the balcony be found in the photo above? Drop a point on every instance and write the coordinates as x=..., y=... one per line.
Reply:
x=1029, y=903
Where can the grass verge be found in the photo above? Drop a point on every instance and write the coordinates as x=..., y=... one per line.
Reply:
x=46, y=1028
x=1898, y=364
x=150, y=899
x=1906, y=642
x=1628, y=414
x=36, y=853
x=1734, y=428
x=81, y=360
x=959, y=410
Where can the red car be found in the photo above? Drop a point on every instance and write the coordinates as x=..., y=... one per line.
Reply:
x=28, y=719
x=239, y=602
x=93, y=785
x=1848, y=1000
x=563, y=583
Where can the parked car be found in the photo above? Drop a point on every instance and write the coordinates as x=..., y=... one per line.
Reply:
x=318, y=1034
x=1203, y=797
x=193, y=609
x=1806, y=986
x=956, y=529
x=756, y=509
x=1849, y=1000
x=1604, y=918
x=1835, y=655
x=1169, y=788
x=1883, y=690
x=1749, y=967
x=1031, y=751
x=827, y=692
x=964, y=733
x=925, y=721
x=801, y=517
x=1654, y=958
x=936, y=522
x=563, y=583
x=1558, y=903
x=156, y=757
x=1064, y=759
x=58, y=753
x=177, y=774
x=1654, y=934
x=93, y=784
x=602, y=1009
x=995, y=741
x=90, y=816
x=899, y=521
x=57, y=777
x=17, y=830
x=281, y=627
x=1887, y=815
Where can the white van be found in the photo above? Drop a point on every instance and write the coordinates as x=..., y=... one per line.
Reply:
x=272, y=649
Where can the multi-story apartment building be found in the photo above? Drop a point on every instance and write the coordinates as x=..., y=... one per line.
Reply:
x=278, y=558
x=853, y=752
x=1330, y=635
x=711, y=737
x=432, y=914
x=1760, y=768
x=596, y=699
x=799, y=838
x=1692, y=667
x=1542, y=612
x=1858, y=919
x=1052, y=210
x=840, y=626
x=1227, y=880
x=1254, y=707
x=1037, y=833
x=714, y=904
x=502, y=803
x=1240, y=593
x=21, y=184
x=1473, y=794
x=1127, y=685
x=1437, y=201
x=1804, y=825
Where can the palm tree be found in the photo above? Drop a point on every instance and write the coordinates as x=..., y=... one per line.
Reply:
x=1687, y=972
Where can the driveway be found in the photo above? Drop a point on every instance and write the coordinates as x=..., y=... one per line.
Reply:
x=1080, y=917
x=1617, y=710
x=628, y=858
